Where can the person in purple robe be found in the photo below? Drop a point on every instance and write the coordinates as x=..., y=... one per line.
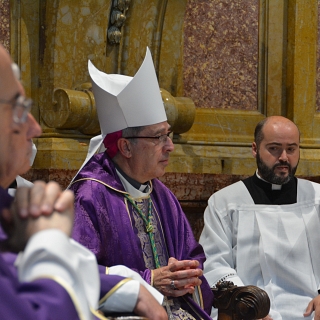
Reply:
x=123, y=213
x=48, y=279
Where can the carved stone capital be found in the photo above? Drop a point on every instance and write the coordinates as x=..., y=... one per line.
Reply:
x=76, y=110
x=73, y=109
x=181, y=112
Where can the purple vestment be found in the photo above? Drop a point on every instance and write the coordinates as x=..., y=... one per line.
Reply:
x=42, y=298
x=103, y=225
x=39, y=299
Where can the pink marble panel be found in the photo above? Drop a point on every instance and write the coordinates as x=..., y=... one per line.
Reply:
x=191, y=189
x=221, y=53
x=5, y=23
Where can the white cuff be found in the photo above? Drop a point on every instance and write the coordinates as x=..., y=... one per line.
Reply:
x=124, y=299
x=128, y=273
x=51, y=254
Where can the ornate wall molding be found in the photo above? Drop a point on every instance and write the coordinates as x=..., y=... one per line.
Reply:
x=117, y=19
x=75, y=109
x=53, y=40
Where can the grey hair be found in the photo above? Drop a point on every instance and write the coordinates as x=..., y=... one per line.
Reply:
x=132, y=132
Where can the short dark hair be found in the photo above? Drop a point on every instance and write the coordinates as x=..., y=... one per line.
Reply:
x=258, y=133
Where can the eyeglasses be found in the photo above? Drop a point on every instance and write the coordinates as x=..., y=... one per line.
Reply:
x=162, y=138
x=21, y=106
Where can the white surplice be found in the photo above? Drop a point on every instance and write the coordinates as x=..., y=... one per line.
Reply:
x=276, y=247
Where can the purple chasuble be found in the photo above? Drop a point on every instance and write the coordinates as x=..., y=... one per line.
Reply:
x=105, y=226
x=40, y=299
x=5, y=203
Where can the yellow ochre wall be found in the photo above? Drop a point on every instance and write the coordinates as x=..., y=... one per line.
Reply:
x=222, y=66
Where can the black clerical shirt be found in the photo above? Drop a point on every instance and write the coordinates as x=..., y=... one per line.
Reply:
x=262, y=193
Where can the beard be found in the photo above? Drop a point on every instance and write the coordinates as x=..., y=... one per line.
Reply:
x=269, y=175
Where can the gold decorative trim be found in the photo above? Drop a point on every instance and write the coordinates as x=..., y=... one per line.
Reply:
x=70, y=291
x=105, y=184
x=99, y=181
x=198, y=288
x=97, y=314
x=114, y=289
x=152, y=277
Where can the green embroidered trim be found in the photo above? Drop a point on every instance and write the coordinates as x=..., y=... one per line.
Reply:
x=149, y=227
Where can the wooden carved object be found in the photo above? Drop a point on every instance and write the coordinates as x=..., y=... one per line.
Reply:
x=237, y=303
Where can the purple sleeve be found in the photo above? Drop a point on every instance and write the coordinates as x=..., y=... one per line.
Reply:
x=40, y=299
x=86, y=228
x=183, y=245
x=5, y=203
x=107, y=281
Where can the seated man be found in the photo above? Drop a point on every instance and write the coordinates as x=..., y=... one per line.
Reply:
x=124, y=214
x=264, y=230
x=51, y=279
x=19, y=181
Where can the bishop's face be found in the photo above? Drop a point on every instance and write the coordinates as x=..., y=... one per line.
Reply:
x=278, y=155
x=151, y=156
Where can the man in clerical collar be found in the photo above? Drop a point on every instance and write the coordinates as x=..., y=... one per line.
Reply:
x=123, y=213
x=52, y=277
x=264, y=230
x=277, y=153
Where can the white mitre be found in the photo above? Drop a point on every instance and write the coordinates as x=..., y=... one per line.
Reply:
x=124, y=101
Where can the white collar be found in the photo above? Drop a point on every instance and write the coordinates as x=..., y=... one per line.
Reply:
x=273, y=186
x=135, y=193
